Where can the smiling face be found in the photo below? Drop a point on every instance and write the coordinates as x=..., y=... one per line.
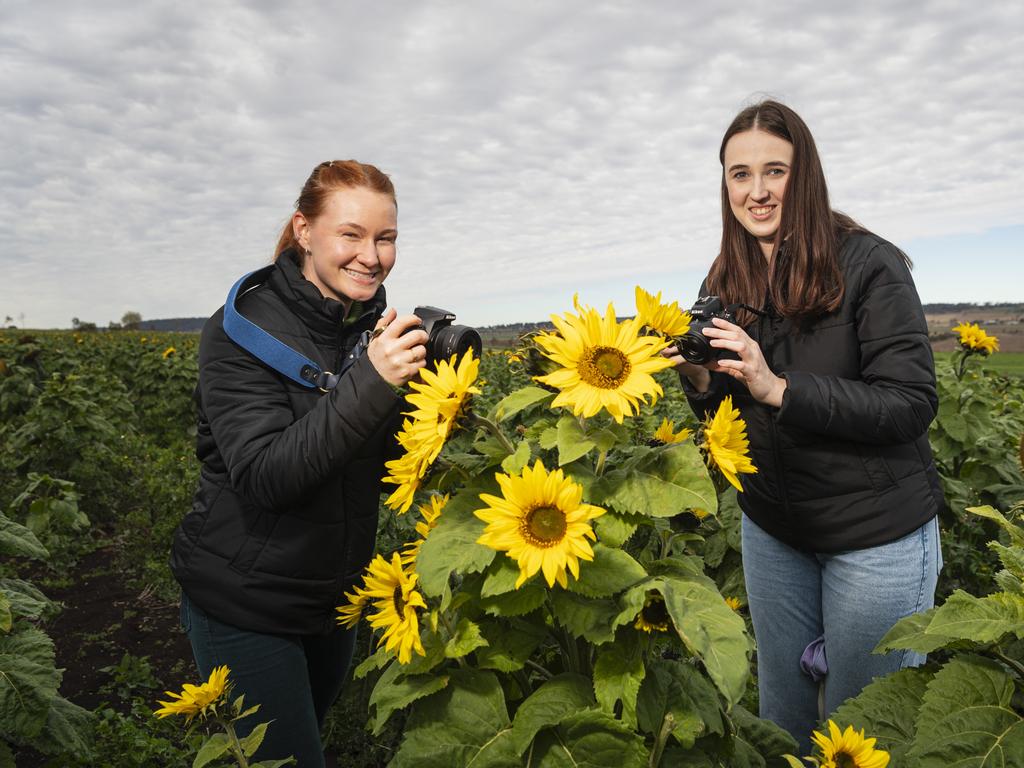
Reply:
x=350, y=246
x=756, y=166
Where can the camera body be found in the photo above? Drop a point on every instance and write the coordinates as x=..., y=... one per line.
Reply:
x=694, y=346
x=445, y=339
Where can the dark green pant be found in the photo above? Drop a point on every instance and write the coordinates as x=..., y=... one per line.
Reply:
x=294, y=679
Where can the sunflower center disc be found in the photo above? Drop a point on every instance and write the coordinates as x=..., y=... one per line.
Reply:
x=843, y=760
x=545, y=526
x=605, y=367
x=399, y=602
x=656, y=614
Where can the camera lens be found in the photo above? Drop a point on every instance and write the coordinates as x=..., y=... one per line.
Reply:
x=695, y=347
x=455, y=340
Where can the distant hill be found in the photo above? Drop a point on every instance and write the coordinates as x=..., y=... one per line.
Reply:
x=186, y=324
x=508, y=332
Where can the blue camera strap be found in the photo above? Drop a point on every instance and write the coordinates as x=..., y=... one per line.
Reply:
x=274, y=352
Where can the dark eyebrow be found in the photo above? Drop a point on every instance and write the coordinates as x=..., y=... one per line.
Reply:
x=350, y=225
x=770, y=164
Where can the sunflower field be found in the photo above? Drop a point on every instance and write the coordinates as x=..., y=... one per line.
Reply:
x=558, y=577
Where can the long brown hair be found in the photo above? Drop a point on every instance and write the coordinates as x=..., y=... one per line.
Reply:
x=326, y=178
x=802, y=278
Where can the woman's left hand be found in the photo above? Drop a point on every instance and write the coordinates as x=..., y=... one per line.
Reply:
x=751, y=368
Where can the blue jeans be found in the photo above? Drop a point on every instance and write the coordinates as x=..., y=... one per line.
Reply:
x=293, y=678
x=853, y=598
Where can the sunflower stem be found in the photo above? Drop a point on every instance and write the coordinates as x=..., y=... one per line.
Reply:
x=447, y=624
x=572, y=651
x=1015, y=665
x=659, y=745
x=236, y=747
x=539, y=669
x=494, y=429
x=962, y=366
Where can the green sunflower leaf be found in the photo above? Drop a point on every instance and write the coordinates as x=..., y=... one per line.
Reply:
x=711, y=630
x=212, y=748
x=590, y=739
x=5, y=614
x=28, y=681
x=25, y=599
x=519, y=401
x=963, y=687
x=591, y=619
x=618, y=673
x=1012, y=558
x=981, y=619
x=913, y=633
x=887, y=710
x=1015, y=531
x=572, y=440
x=465, y=724
x=759, y=742
x=508, y=645
x=466, y=639
x=547, y=706
x=518, y=602
x=452, y=545
x=514, y=463
x=679, y=689
x=662, y=483
x=610, y=572
x=16, y=539
x=614, y=529
x=396, y=690
x=500, y=577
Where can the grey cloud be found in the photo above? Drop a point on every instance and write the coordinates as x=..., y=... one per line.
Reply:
x=154, y=152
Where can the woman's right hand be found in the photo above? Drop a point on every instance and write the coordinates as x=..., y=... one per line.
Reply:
x=398, y=356
x=699, y=375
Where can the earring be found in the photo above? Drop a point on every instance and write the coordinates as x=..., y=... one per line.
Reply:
x=309, y=252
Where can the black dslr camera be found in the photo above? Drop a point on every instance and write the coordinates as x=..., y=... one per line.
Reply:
x=445, y=339
x=694, y=346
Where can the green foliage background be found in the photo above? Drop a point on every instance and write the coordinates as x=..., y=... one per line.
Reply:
x=96, y=444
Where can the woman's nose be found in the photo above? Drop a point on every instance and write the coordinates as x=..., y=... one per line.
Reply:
x=760, y=190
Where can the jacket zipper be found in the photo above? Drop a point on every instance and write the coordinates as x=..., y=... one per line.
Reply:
x=768, y=349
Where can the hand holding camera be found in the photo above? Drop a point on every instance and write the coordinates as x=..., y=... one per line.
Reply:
x=403, y=345
x=716, y=343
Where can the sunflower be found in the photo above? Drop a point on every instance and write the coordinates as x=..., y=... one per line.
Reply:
x=653, y=617
x=605, y=364
x=196, y=699
x=666, y=319
x=430, y=513
x=725, y=440
x=848, y=749
x=666, y=436
x=973, y=339
x=438, y=401
x=168, y=352
x=392, y=592
x=733, y=602
x=350, y=613
x=540, y=522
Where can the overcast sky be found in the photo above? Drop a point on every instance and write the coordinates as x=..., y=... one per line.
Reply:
x=151, y=152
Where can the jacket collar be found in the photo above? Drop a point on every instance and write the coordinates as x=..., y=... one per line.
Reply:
x=323, y=315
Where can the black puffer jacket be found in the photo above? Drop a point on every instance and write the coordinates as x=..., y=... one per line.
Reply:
x=285, y=516
x=845, y=463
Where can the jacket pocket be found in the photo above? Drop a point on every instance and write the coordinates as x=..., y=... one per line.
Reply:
x=254, y=542
x=876, y=468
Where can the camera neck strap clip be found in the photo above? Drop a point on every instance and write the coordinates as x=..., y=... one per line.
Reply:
x=272, y=351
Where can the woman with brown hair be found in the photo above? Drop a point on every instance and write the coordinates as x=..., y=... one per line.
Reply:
x=830, y=366
x=285, y=516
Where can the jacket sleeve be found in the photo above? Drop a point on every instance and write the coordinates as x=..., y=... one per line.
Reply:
x=272, y=458
x=895, y=399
